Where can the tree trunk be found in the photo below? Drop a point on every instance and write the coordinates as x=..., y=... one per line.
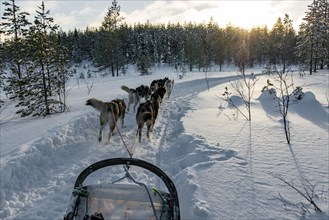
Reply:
x=45, y=93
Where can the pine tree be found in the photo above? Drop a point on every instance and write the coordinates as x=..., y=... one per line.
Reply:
x=14, y=25
x=289, y=43
x=219, y=48
x=142, y=53
x=111, y=42
x=313, y=46
x=276, y=42
x=242, y=56
x=62, y=74
x=2, y=78
x=112, y=18
x=43, y=94
x=141, y=39
x=190, y=46
x=175, y=43
x=283, y=42
x=259, y=45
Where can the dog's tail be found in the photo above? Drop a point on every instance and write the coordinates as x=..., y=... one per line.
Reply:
x=97, y=104
x=126, y=89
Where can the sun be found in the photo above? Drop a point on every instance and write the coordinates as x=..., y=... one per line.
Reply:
x=246, y=14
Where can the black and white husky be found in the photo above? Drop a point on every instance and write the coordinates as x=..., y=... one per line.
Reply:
x=109, y=113
x=133, y=97
x=143, y=92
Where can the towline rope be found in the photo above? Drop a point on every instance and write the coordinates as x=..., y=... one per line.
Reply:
x=124, y=143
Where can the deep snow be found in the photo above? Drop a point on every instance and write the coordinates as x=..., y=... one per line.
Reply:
x=220, y=163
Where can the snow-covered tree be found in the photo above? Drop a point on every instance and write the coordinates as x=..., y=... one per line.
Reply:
x=45, y=72
x=112, y=19
x=14, y=25
x=313, y=40
x=258, y=45
x=143, y=58
x=110, y=44
x=289, y=42
x=2, y=78
x=282, y=42
x=191, y=45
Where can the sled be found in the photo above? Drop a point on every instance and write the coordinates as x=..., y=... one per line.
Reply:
x=129, y=200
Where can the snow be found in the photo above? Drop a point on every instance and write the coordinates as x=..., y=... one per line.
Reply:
x=222, y=165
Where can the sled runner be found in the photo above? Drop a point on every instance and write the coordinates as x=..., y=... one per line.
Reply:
x=116, y=200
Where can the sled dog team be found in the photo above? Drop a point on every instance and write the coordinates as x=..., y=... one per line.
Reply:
x=147, y=112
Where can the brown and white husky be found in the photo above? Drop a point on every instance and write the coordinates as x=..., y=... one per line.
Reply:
x=145, y=115
x=122, y=110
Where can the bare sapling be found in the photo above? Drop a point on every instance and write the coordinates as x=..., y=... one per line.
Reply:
x=230, y=101
x=306, y=191
x=284, y=97
x=245, y=88
x=89, y=84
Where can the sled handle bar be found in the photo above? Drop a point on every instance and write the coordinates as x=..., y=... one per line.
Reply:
x=134, y=162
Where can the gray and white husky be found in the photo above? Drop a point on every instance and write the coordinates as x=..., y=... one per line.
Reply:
x=169, y=85
x=133, y=97
x=109, y=113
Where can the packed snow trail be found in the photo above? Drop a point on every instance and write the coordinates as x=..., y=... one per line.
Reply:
x=183, y=155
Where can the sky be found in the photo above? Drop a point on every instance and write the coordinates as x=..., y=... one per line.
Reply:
x=70, y=14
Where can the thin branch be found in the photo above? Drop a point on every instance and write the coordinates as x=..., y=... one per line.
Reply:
x=306, y=195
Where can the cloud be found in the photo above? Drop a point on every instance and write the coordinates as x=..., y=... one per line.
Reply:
x=173, y=11
x=78, y=14
x=295, y=9
x=240, y=13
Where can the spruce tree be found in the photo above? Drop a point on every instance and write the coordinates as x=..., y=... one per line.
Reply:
x=43, y=94
x=289, y=43
x=15, y=26
x=219, y=48
x=141, y=45
x=276, y=42
x=2, y=79
x=111, y=43
x=62, y=74
x=313, y=46
x=190, y=51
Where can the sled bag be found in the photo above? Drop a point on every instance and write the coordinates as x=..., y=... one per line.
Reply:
x=116, y=201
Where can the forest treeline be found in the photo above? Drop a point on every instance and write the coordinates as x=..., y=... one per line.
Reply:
x=36, y=56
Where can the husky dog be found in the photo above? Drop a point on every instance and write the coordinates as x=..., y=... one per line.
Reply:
x=144, y=115
x=155, y=101
x=159, y=92
x=122, y=109
x=133, y=97
x=169, y=85
x=109, y=113
x=155, y=84
x=161, y=82
x=143, y=91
